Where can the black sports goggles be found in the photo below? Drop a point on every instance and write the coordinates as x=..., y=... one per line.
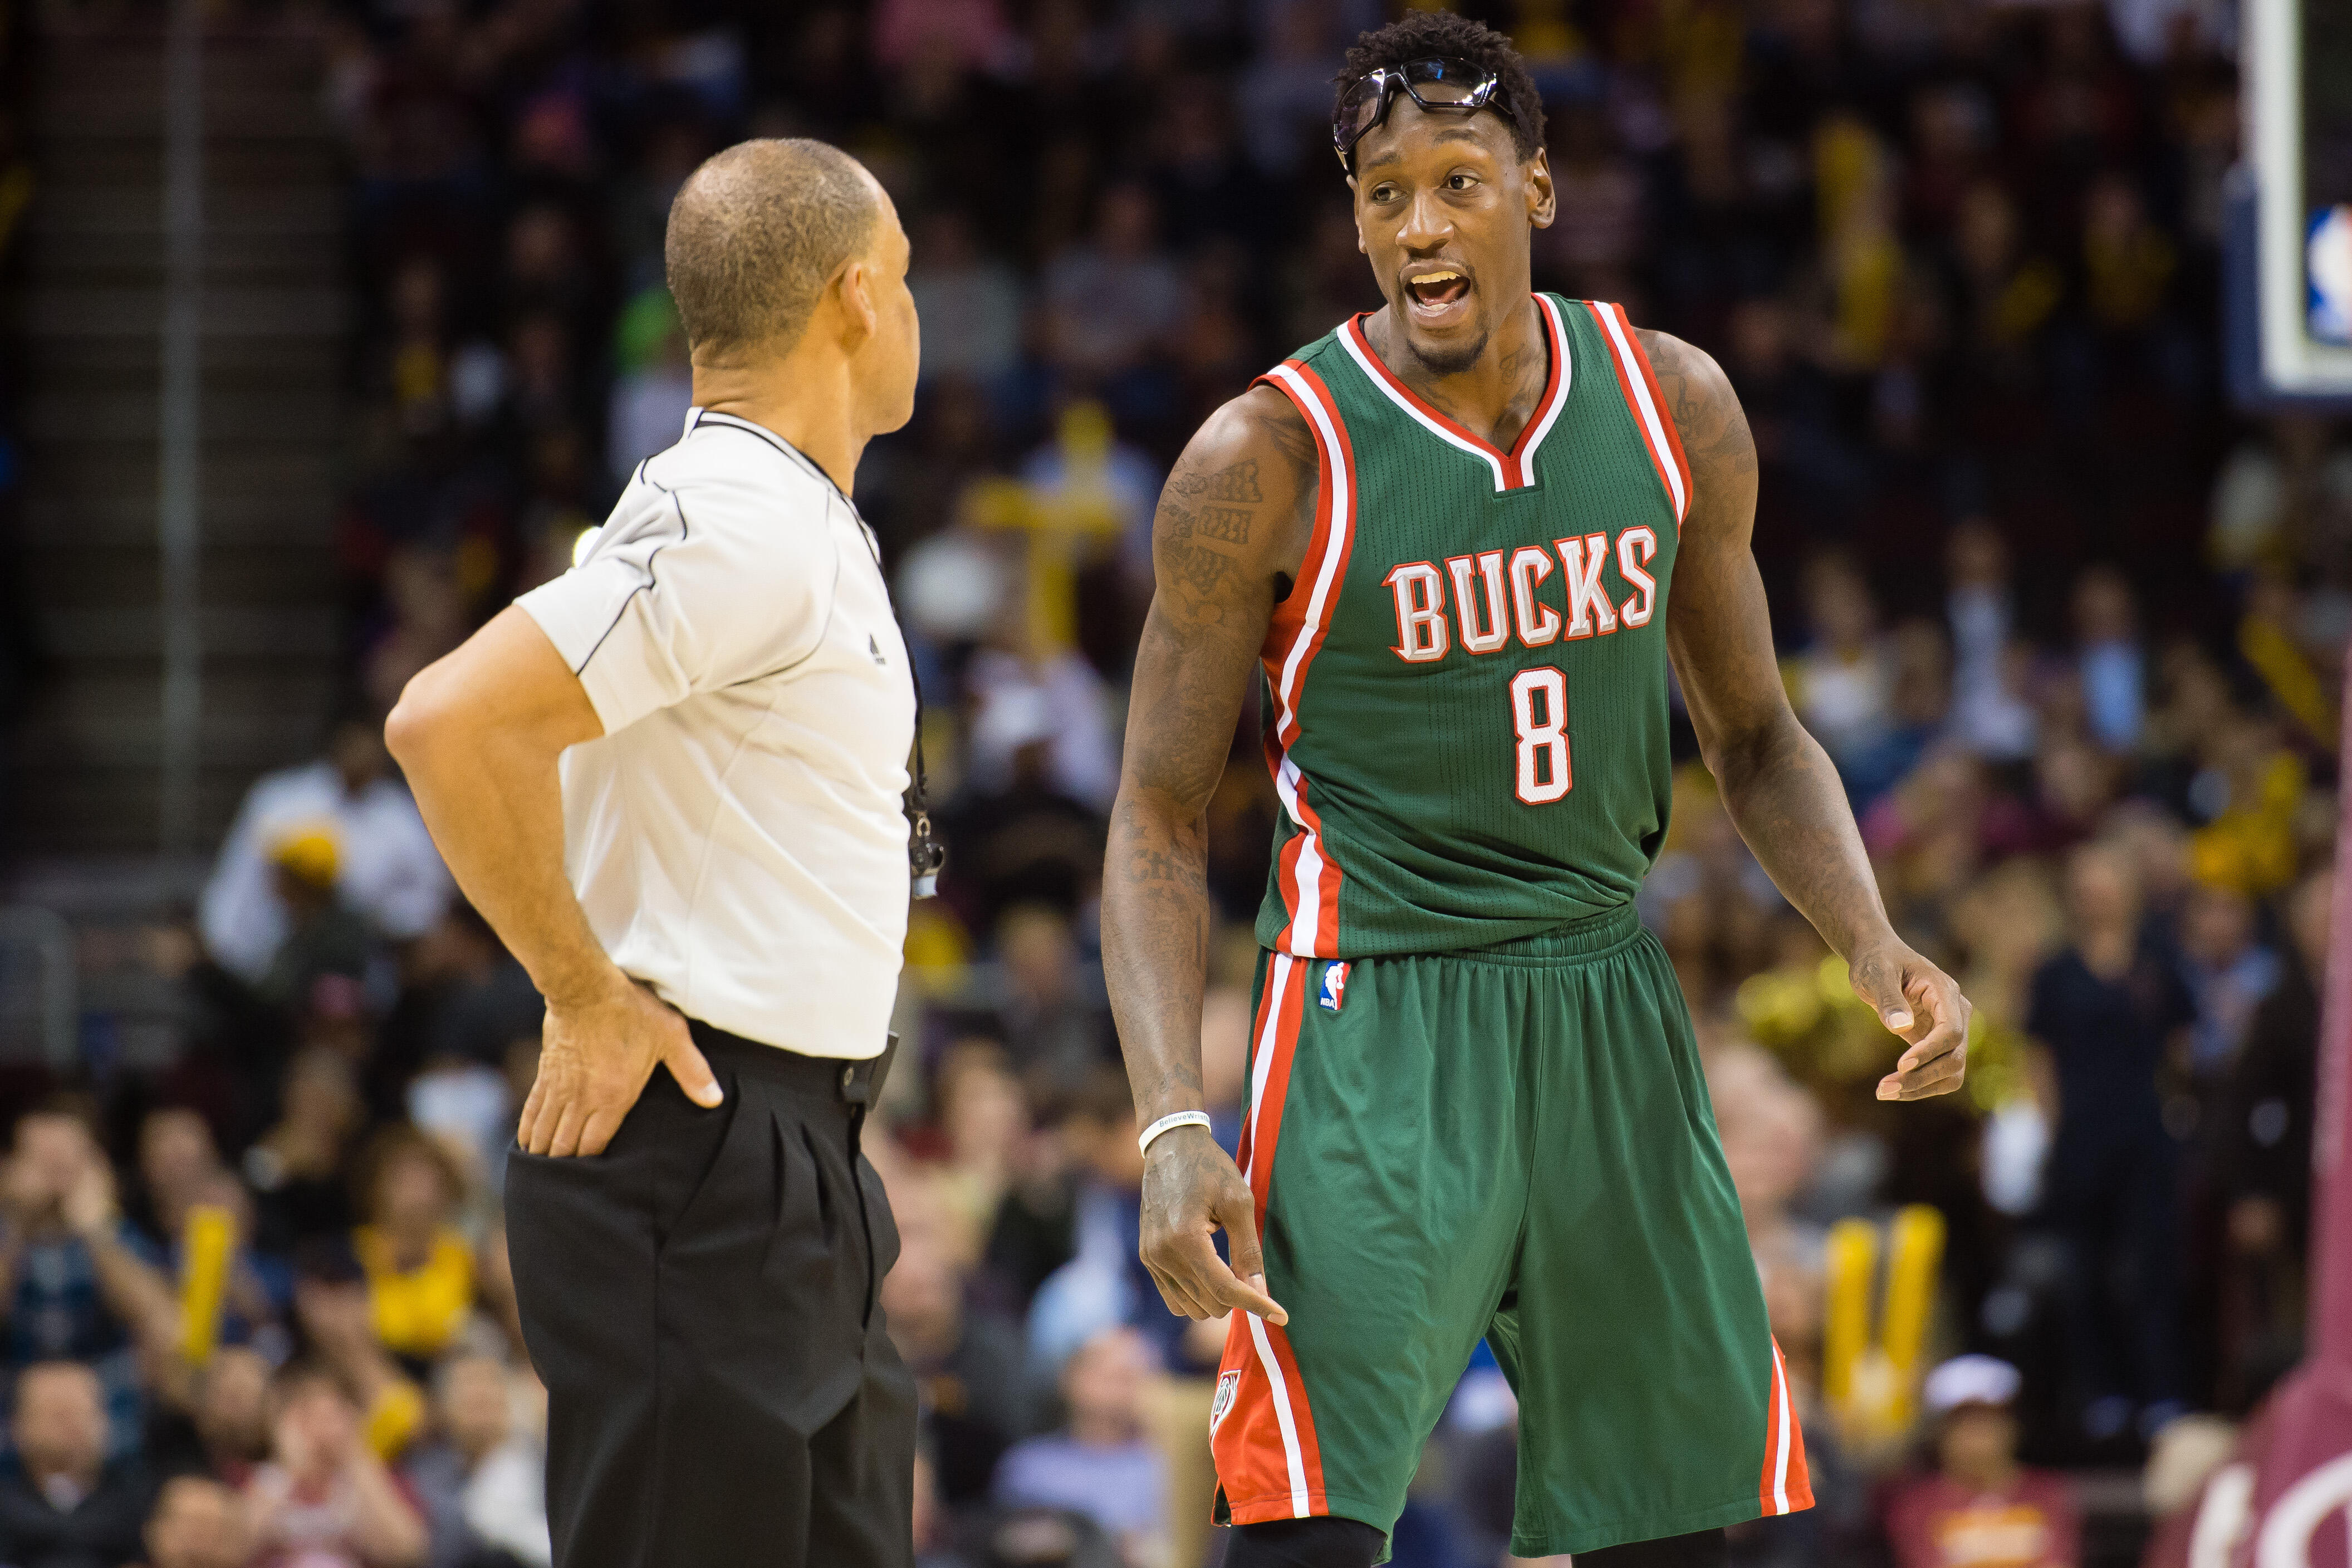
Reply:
x=1432, y=83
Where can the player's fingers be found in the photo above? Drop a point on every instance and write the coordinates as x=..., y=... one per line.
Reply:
x=1239, y=1220
x=1937, y=997
x=1237, y=1212
x=693, y=1073
x=1944, y=1015
x=1248, y=1295
x=1221, y=1289
x=1165, y=1260
x=1180, y=1301
x=1192, y=1265
x=1938, y=1074
x=1939, y=1077
x=1879, y=982
x=1942, y=1040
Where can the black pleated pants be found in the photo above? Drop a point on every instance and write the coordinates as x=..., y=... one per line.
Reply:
x=699, y=1300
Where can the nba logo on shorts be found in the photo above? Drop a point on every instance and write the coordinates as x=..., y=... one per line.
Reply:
x=1225, y=1399
x=1334, y=983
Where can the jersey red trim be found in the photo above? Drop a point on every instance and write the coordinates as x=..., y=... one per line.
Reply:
x=1515, y=469
x=1646, y=404
x=1309, y=878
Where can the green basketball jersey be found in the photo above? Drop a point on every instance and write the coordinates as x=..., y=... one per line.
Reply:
x=1465, y=690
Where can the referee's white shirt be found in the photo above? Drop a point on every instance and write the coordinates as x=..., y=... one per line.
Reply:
x=737, y=837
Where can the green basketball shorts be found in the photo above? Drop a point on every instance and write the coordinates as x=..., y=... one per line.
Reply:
x=1515, y=1144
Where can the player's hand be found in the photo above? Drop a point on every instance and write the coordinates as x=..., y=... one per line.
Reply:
x=1190, y=1188
x=1923, y=1005
x=593, y=1060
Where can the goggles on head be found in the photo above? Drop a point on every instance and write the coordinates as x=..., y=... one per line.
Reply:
x=1433, y=83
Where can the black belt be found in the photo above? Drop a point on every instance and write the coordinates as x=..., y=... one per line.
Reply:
x=853, y=1082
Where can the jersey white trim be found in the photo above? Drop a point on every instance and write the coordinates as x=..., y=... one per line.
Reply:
x=1514, y=469
x=1637, y=383
x=1379, y=378
x=1337, y=509
x=1268, y=1043
x=1547, y=416
x=1779, y=1433
x=1306, y=878
x=1341, y=511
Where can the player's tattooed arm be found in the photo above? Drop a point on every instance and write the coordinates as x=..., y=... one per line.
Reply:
x=1777, y=782
x=1231, y=529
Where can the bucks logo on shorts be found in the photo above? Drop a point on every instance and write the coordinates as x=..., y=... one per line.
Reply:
x=1223, y=1400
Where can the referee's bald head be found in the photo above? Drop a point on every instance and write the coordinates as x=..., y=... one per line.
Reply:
x=755, y=235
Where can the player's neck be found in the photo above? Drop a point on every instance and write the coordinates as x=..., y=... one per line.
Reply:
x=806, y=397
x=1495, y=395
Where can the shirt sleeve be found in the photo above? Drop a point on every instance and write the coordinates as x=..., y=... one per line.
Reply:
x=692, y=589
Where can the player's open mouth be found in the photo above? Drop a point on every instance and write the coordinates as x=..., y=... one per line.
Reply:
x=1438, y=294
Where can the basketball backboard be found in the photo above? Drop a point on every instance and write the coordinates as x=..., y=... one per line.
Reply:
x=2298, y=214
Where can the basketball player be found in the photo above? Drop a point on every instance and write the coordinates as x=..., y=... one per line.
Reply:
x=1458, y=541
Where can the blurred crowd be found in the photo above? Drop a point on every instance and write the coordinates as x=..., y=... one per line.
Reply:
x=16, y=649
x=2069, y=627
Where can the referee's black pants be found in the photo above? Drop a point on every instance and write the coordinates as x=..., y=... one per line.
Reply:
x=699, y=1300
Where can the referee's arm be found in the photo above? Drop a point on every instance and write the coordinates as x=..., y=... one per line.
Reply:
x=478, y=733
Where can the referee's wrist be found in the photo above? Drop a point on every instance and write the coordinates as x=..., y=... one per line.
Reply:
x=583, y=984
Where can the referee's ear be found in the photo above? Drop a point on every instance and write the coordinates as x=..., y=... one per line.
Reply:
x=853, y=287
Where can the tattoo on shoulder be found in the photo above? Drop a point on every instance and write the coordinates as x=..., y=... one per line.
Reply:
x=1201, y=572
x=1289, y=433
x=1235, y=482
x=1706, y=410
x=1230, y=523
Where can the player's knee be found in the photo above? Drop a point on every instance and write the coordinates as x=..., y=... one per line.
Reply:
x=1706, y=1549
x=1304, y=1543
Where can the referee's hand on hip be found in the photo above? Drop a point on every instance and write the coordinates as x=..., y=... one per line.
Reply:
x=595, y=1055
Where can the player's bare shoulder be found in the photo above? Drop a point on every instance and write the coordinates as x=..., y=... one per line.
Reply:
x=1235, y=516
x=1716, y=439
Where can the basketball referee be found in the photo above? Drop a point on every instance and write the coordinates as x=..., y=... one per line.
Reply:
x=672, y=780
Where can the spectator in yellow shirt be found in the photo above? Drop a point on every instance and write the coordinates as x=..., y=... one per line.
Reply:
x=420, y=1270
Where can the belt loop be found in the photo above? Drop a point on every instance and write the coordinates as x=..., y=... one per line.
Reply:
x=861, y=1082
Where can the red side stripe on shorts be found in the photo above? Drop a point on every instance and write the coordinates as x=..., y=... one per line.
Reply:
x=1785, y=1486
x=1269, y=1464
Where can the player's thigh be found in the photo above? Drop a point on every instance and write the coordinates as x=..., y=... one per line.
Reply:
x=1386, y=1147
x=1652, y=1403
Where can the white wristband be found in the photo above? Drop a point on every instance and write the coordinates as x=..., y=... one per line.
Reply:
x=1169, y=1123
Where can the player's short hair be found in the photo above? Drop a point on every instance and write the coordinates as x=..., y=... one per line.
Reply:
x=1419, y=34
x=755, y=234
